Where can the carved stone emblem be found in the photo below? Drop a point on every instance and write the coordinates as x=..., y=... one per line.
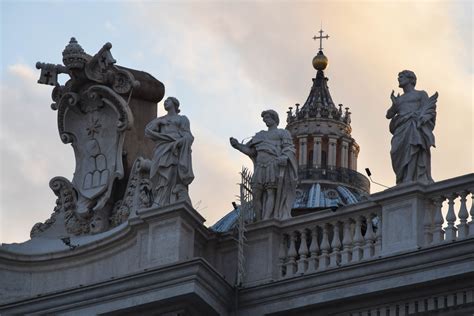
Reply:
x=93, y=115
x=94, y=122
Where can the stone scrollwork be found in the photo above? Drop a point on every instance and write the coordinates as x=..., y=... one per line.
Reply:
x=101, y=69
x=65, y=204
x=93, y=115
x=138, y=193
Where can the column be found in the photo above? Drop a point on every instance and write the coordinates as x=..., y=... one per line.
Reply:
x=303, y=158
x=345, y=154
x=354, y=153
x=332, y=146
x=317, y=151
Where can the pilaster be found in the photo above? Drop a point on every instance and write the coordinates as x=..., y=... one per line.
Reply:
x=345, y=153
x=332, y=151
x=317, y=147
x=303, y=145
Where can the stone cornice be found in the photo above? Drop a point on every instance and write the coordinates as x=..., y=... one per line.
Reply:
x=403, y=270
x=195, y=278
x=90, y=248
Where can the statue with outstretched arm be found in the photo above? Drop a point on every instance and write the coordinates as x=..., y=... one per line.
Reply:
x=275, y=170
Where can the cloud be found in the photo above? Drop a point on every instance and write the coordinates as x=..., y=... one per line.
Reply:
x=22, y=72
x=31, y=153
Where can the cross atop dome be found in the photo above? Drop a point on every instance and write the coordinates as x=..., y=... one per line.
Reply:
x=320, y=38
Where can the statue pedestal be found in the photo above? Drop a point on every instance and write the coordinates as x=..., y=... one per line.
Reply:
x=171, y=233
x=402, y=218
x=261, y=252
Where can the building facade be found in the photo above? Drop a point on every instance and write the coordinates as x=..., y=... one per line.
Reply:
x=408, y=250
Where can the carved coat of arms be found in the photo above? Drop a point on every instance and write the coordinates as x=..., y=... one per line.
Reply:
x=93, y=115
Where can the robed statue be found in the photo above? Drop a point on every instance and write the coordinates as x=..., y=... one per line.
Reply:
x=275, y=169
x=171, y=169
x=413, y=117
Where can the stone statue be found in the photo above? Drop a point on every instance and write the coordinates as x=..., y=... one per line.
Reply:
x=171, y=169
x=413, y=116
x=275, y=169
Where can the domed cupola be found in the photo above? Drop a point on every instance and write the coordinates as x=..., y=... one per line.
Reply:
x=326, y=152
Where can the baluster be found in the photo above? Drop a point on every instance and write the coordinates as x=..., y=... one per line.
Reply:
x=313, y=249
x=378, y=237
x=291, y=263
x=282, y=255
x=428, y=224
x=369, y=239
x=451, y=218
x=346, y=242
x=358, y=241
x=463, y=228
x=303, y=252
x=438, y=232
x=471, y=212
x=334, y=258
x=325, y=247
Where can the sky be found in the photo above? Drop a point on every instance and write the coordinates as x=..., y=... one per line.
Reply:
x=226, y=61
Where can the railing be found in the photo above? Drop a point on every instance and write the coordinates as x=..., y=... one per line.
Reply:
x=337, y=174
x=330, y=243
x=326, y=240
x=447, y=218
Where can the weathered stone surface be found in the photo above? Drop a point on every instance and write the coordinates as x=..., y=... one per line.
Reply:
x=154, y=237
x=413, y=117
x=96, y=115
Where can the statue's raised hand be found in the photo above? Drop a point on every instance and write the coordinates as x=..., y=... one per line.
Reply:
x=394, y=98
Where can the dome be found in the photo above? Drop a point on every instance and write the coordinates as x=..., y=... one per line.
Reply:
x=227, y=222
x=311, y=197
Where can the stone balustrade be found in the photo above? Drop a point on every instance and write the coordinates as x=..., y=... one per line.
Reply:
x=330, y=242
x=415, y=216
x=451, y=215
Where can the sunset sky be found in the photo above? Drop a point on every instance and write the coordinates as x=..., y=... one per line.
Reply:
x=226, y=61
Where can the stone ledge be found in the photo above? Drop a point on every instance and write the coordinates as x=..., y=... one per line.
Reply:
x=194, y=279
x=363, y=278
x=170, y=210
x=156, y=238
x=85, y=244
x=94, y=243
